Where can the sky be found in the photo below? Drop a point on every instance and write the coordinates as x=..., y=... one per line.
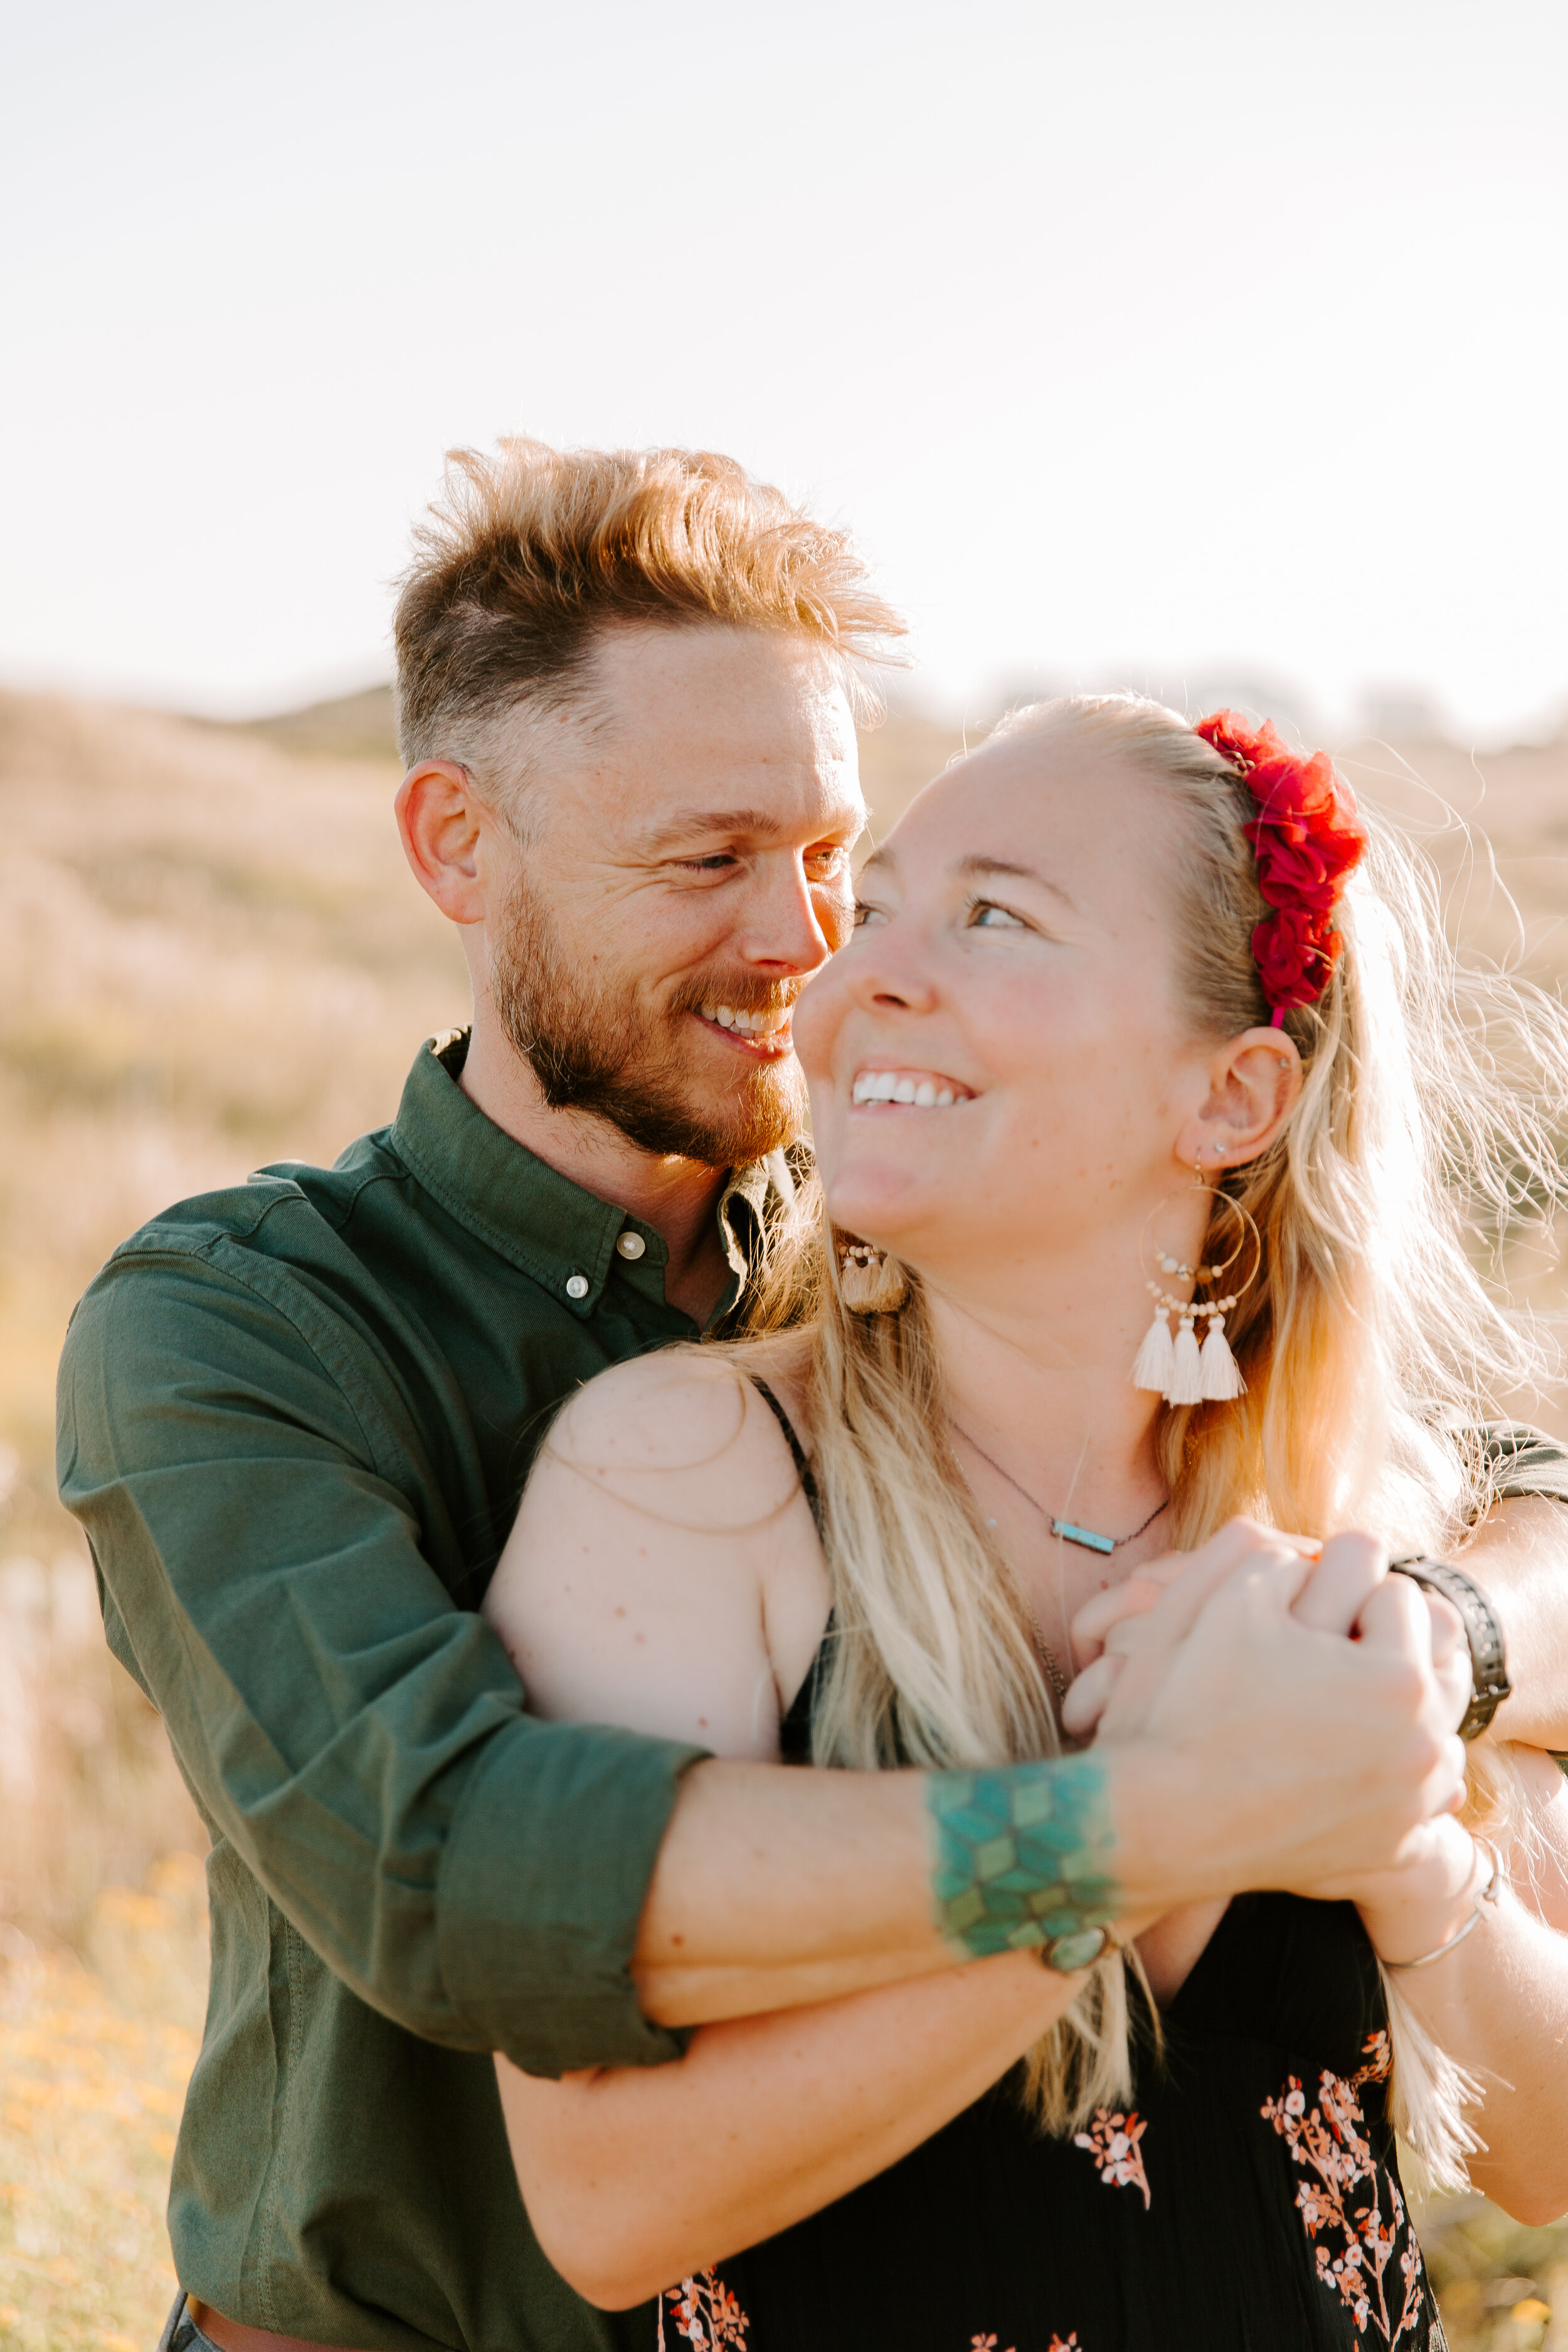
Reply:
x=1138, y=344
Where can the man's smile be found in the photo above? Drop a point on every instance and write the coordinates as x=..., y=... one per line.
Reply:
x=761, y=1036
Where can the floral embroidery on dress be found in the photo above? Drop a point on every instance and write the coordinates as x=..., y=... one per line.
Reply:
x=1345, y=2201
x=1112, y=2141
x=1056, y=2343
x=706, y=2314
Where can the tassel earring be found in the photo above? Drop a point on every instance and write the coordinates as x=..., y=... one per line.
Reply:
x=1156, y=1359
x=1186, y=1366
x=1222, y=1379
x=1179, y=1370
x=871, y=1282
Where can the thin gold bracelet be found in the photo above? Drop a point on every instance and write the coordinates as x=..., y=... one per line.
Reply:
x=1487, y=1892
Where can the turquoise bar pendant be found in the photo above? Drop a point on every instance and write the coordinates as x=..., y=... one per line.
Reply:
x=1085, y=1536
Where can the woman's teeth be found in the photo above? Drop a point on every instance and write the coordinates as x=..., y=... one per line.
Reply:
x=748, y=1024
x=902, y=1086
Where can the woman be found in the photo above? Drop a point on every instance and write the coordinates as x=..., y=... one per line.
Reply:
x=1114, y=1020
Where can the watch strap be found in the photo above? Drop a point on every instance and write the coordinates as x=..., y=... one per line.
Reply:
x=1483, y=1631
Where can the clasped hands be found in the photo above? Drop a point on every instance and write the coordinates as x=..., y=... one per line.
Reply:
x=1330, y=1688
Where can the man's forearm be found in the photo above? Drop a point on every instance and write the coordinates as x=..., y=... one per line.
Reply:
x=1520, y=1557
x=777, y=1887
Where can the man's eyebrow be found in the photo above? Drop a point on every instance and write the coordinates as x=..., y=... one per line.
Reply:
x=976, y=867
x=702, y=825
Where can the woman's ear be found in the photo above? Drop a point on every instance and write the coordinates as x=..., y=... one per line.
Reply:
x=1255, y=1084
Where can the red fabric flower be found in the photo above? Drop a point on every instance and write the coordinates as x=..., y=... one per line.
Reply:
x=1306, y=836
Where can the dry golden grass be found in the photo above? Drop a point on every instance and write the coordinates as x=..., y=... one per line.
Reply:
x=93, y=2065
x=211, y=956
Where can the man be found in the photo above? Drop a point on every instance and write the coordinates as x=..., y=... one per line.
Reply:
x=296, y=1417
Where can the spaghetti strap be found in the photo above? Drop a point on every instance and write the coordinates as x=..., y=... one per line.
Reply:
x=795, y=1730
x=798, y=1451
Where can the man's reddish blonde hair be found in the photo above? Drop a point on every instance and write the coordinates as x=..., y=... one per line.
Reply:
x=531, y=554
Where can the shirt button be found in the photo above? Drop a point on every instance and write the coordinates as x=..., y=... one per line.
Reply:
x=576, y=1285
x=630, y=1244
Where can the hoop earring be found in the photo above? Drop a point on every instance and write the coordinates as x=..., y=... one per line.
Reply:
x=870, y=1281
x=1181, y=1371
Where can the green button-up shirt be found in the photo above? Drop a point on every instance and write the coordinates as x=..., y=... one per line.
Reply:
x=295, y=1418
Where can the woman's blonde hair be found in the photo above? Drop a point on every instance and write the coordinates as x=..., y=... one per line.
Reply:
x=1372, y=1347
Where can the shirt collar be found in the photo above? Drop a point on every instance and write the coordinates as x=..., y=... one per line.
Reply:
x=537, y=1219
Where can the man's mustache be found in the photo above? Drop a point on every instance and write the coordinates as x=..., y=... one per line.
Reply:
x=741, y=995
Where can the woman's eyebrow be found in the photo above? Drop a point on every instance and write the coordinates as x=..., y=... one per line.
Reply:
x=971, y=868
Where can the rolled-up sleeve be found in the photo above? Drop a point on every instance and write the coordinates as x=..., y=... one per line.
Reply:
x=1523, y=1462
x=264, y=1533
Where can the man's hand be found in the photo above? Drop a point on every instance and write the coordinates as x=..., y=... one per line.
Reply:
x=1284, y=1754
x=1344, y=1573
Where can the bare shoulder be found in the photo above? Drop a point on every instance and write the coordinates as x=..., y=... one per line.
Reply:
x=683, y=1417
x=664, y=1570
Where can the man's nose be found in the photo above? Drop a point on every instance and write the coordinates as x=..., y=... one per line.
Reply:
x=783, y=929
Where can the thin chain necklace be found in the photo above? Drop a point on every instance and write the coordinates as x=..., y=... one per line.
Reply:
x=1069, y=1534
x=1064, y=1528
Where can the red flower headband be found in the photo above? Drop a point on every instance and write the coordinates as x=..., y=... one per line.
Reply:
x=1306, y=836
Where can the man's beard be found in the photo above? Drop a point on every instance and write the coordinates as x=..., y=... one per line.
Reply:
x=593, y=1047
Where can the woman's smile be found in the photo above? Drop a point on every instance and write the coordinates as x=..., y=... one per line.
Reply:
x=877, y=1084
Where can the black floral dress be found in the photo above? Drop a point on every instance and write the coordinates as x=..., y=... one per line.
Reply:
x=1244, y=2202
x=1249, y=2198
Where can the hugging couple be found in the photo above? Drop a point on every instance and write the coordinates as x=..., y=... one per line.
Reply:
x=815, y=1748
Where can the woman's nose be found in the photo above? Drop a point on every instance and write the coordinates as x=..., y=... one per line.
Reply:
x=891, y=967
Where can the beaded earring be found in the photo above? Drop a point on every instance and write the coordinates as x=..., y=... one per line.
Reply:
x=871, y=1281
x=1177, y=1367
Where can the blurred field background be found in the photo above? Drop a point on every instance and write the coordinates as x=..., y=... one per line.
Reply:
x=212, y=957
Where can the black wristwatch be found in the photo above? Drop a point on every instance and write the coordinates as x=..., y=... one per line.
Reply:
x=1483, y=1631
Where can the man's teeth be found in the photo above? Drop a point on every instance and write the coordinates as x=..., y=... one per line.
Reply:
x=748, y=1024
x=900, y=1086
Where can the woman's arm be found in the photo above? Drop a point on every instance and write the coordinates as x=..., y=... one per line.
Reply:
x=636, y=2177
x=1498, y=2001
x=691, y=1605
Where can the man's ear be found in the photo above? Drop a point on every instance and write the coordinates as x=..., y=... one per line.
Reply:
x=1255, y=1084
x=447, y=834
